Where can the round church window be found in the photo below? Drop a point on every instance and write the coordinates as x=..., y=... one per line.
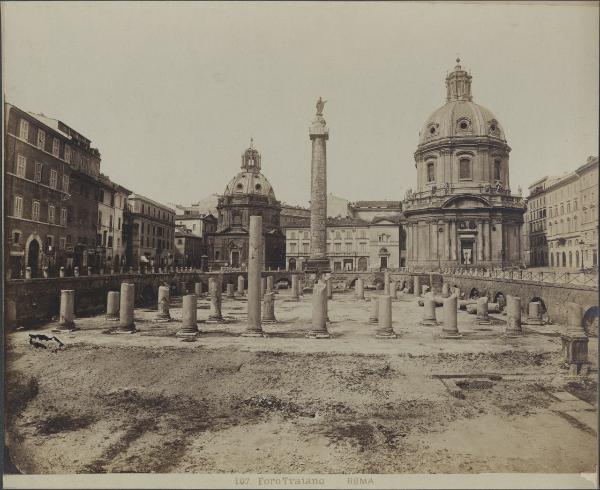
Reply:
x=493, y=127
x=432, y=130
x=464, y=125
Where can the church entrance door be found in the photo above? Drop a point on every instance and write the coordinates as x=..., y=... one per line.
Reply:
x=467, y=257
x=235, y=258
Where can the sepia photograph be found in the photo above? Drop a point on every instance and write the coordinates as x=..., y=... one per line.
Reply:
x=300, y=245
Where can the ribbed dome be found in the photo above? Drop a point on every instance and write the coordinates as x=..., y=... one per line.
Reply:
x=460, y=118
x=249, y=183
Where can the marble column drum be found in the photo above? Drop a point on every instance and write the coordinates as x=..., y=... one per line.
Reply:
x=126, y=308
x=112, y=306
x=255, y=265
x=319, y=313
x=385, y=330
x=450, y=319
x=189, y=317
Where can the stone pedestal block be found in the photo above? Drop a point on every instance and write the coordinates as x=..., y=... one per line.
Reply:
x=240, y=285
x=198, y=290
x=416, y=286
x=483, y=317
x=230, y=291
x=534, y=313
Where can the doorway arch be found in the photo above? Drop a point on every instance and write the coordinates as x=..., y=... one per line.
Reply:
x=33, y=249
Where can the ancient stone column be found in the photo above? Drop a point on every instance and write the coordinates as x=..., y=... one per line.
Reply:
x=374, y=314
x=513, y=317
x=329, y=288
x=294, y=296
x=67, y=309
x=198, y=289
x=164, y=296
x=385, y=330
x=270, y=284
x=61, y=272
x=45, y=272
x=268, y=313
x=319, y=313
x=255, y=265
x=216, y=294
x=482, y=317
x=318, y=263
x=263, y=287
x=240, y=285
x=386, y=283
x=112, y=306
x=535, y=313
x=445, y=290
x=416, y=286
x=189, y=317
x=450, y=326
x=126, y=324
x=428, y=312
x=360, y=289
x=393, y=290
x=230, y=291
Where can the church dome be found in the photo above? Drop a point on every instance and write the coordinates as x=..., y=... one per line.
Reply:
x=250, y=180
x=460, y=116
x=250, y=183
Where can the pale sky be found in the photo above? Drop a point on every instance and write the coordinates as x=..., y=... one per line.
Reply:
x=171, y=93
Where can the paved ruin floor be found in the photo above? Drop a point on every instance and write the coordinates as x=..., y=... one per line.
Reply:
x=149, y=402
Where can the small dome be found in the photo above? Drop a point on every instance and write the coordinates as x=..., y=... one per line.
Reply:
x=249, y=183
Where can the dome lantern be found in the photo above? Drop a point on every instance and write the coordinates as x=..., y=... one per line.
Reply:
x=251, y=159
x=458, y=84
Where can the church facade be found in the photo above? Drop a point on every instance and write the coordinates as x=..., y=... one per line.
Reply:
x=249, y=193
x=462, y=213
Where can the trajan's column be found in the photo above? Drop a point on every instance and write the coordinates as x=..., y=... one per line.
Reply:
x=318, y=262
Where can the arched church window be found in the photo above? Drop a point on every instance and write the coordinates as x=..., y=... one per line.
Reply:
x=464, y=169
x=257, y=187
x=430, y=172
x=239, y=187
x=497, y=167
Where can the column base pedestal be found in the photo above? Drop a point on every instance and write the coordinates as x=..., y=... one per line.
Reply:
x=428, y=323
x=186, y=335
x=391, y=335
x=253, y=333
x=119, y=331
x=112, y=318
x=450, y=335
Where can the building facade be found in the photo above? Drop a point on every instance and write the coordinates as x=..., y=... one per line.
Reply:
x=249, y=193
x=189, y=249
x=198, y=224
x=536, y=225
x=152, y=229
x=572, y=214
x=353, y=244
x=51, y=181
x=462, y=212
x=110, y=237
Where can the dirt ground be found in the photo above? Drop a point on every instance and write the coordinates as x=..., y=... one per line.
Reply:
x=149, y=402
